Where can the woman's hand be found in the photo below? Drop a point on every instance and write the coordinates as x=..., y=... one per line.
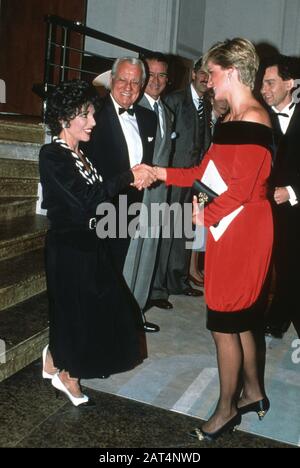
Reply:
x=198, y=213
x=144, y=176
x=161, y=173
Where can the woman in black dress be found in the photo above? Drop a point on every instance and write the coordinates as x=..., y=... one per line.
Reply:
x=95, y=324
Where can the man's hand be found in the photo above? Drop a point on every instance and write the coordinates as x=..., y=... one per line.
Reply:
x=144, y=176
x=281, y=195
x=198, y=214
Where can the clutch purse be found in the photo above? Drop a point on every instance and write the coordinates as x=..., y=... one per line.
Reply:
x=205, y=194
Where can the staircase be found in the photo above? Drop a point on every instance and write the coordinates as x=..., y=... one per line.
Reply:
x=23, y=301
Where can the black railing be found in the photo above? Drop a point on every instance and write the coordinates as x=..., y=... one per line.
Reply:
x=66, y=57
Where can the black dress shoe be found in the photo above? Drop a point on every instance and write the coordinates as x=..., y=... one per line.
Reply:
x=192, y=292
x=151, y=327
x=274, y=332
x=160, y=303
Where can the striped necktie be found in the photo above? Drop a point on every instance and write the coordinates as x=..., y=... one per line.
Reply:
x=200, y=108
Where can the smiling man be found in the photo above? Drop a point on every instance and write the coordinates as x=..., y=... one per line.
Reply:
x=139, y=273
x=124, y=136
x=278, y=83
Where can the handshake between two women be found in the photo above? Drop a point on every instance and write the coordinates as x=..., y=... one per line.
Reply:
x=145, y=175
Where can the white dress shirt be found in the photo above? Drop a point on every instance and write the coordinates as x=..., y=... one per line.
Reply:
x=195, y=97
x=284, y=123
x=132, y=135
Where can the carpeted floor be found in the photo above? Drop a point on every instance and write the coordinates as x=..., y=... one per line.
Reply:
x=181, y=373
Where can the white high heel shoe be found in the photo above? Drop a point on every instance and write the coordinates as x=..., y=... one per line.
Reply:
x=57, y=383
x=45, y=374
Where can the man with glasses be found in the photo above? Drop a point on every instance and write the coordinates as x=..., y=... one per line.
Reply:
x=139, y=274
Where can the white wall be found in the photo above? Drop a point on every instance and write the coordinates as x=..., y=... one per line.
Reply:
x=276, y=22
x=148, y=23
x=190, y=27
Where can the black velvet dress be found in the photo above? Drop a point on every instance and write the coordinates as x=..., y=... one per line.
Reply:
x=95, y=323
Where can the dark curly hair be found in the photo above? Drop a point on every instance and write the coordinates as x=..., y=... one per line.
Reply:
x=66, y=101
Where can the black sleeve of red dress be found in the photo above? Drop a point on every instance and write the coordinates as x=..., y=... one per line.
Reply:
x=60, y=176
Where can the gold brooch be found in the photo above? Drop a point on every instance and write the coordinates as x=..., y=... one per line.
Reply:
x=202, y=197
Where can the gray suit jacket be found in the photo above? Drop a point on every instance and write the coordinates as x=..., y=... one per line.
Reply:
x=172, y=272
x=189, y=149
x=141, y=257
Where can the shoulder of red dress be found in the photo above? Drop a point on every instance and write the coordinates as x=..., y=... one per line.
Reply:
x=243, y=133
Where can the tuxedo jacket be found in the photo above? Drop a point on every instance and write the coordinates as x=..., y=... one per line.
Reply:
x=108, y=151
x=285, y=172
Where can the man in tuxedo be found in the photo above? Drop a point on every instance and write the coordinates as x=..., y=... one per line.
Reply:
x=192, y=111
x=278, y=84
x=123, y=138
x=144, y=252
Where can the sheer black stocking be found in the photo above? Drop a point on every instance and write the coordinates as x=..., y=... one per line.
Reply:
x=229, y=356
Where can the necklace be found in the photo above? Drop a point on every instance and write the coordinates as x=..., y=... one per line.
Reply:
x=91, y=176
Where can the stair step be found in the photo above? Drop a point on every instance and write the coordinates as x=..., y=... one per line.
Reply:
x=18, y=187
x=12, y=207
x=18, y=150
x=24, y=333
x=22, y=235
x=21, y=277
x=21, y=131
x=19, y=168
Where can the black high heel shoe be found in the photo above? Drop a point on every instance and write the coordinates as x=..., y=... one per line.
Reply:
x=230, y=426
x=261, y=407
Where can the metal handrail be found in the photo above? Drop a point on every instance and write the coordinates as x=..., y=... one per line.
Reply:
x=68, y=27
x=76, y=26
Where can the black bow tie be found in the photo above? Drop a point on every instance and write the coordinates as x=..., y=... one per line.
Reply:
x=122, y=110
x=283, y=114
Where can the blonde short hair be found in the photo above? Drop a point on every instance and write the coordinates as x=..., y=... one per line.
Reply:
x=239, y=53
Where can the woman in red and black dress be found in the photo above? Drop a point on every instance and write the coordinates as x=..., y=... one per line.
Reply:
x=237, y=260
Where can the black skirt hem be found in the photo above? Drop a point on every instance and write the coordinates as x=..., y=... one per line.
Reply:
x=238, y=321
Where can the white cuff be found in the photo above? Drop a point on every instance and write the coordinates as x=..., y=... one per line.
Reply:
x=293, y=199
